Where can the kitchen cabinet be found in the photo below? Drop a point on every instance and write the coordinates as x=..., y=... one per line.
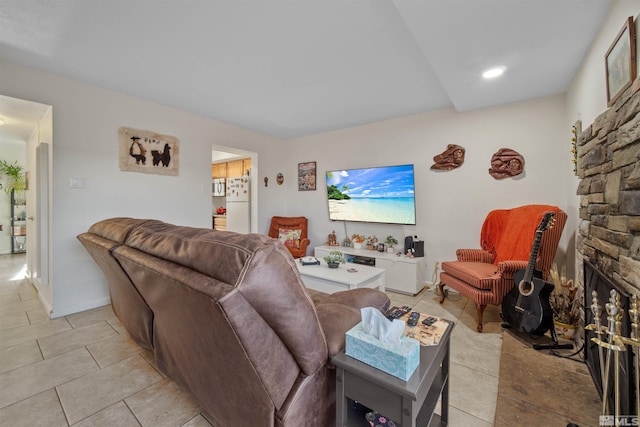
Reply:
x=218, y=170
x=232, y=169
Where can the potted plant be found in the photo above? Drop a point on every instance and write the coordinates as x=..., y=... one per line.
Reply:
x=391, y=242
x=13, y=175
x=564, y=303
x=334, y=259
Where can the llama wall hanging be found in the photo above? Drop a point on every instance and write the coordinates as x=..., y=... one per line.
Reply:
x=148, y=152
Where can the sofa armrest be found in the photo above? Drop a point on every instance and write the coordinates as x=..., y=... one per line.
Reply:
x=508, y=268
x=359, y=298
x=336, y=320
x=475, y=255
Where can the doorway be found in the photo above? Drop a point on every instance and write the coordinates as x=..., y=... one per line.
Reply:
x=221, y=153
x=31, y=124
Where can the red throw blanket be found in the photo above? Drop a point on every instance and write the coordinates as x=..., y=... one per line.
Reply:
x=508, y=233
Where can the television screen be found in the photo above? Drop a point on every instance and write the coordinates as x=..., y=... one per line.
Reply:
x=379, y=194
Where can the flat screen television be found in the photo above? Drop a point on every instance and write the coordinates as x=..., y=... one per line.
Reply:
x=378, y=194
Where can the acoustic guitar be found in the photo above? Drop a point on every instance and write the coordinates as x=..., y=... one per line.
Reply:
x=526, y=307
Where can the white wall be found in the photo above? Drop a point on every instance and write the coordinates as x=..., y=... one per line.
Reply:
x=451, y=205
x=85, y=145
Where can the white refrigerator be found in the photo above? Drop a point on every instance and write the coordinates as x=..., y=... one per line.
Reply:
x=238, y=205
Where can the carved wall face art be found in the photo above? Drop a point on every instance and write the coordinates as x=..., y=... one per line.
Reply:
x=506, y=163
x=450, y=158
x=280, y=179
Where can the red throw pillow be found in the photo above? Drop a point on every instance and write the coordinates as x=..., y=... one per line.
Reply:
x=290, y=238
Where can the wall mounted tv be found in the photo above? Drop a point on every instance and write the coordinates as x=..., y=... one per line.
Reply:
x=378, y=194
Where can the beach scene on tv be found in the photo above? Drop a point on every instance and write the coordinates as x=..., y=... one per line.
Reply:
x=380, y=194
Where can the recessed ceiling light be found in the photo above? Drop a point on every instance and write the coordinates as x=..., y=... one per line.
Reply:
x=494, y=72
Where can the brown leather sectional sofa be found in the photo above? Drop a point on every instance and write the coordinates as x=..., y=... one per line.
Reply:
x=228, y=318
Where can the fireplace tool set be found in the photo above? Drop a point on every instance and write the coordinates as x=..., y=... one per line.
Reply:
x=610, y=343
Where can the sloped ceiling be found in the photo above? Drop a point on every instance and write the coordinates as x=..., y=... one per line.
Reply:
x=295, y=68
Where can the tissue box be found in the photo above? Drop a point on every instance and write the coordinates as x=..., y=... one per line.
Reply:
x=399, y=360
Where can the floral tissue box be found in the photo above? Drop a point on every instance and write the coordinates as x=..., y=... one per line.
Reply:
x=399, y=360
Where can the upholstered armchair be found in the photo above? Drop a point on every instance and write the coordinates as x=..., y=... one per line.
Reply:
x=292, y=231
x=486, y=275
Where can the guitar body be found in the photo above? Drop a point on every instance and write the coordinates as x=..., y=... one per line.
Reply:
x=531, y=313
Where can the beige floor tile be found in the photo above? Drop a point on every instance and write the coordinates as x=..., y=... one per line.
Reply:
x=27, y=291
x=21, y=383
x=117, y=414
x=19, y=355
x=89, y=394
x=41, y=410
x=402, y=299
x=427, y=307
x=114, y=349
x=476, y=354
x=197, y=421
x=13, y=320
x=37, y=315
x=474, y=392
x=8, y=297
x=22, y=334
x=104, y=313
x=163, y=404
x=458, y=418
x=20, y=306
x=75, y=338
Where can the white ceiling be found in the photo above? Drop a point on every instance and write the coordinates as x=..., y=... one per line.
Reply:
x=294, y=68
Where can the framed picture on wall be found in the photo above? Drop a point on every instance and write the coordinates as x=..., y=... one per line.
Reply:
x=620, y=62
x=306, y=176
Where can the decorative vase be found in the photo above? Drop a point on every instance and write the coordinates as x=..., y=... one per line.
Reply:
x=357, y=245
x=564, y=330
x=333, y=264
x=390, y=249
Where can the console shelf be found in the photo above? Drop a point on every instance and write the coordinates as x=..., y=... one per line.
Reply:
x=403, y=274
x=18, y=222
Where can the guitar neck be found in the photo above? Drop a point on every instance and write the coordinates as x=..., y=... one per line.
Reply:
x=531, y=266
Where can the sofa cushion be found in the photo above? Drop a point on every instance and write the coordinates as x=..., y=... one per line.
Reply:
x=478, y=274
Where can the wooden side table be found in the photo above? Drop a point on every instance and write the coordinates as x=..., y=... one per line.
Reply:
x=410, y=403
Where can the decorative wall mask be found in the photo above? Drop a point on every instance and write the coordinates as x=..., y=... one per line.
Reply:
x=450, y=158
x=266, y=181
x=506, y=163
x=280, y=178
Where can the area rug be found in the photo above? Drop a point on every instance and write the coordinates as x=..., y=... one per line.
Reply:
x=536, y=388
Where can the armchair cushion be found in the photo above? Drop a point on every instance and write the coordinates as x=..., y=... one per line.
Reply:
x=478, y=274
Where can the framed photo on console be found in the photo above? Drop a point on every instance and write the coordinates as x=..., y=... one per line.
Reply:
x=620, y=62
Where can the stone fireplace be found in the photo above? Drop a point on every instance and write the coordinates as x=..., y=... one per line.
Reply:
x=608, y=240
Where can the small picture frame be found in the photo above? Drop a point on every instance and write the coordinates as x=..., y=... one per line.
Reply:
x=620, y=62
x=307, y=176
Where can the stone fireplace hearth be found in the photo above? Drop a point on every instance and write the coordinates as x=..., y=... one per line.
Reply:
x=608, y=240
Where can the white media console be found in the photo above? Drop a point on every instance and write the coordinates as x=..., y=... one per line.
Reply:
x=403, y=274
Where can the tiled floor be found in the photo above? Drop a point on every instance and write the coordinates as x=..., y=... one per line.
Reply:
x=83, y=370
